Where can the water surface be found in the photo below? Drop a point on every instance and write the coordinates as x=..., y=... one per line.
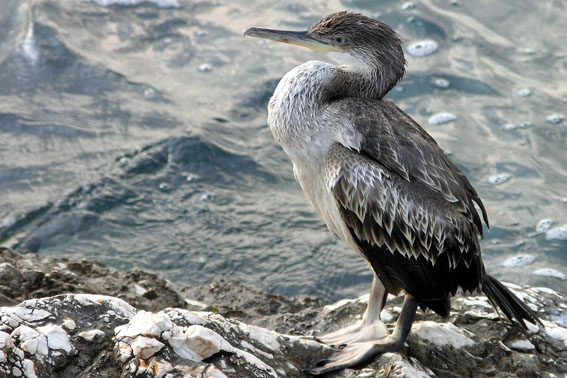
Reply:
x=137, y=135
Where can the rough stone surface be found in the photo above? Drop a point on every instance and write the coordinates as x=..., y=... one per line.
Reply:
x=245, y=333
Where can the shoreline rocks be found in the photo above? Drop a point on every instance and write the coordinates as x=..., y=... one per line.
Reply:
x=225, y=329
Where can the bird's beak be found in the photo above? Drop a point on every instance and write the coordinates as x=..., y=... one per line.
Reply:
x=302, y=38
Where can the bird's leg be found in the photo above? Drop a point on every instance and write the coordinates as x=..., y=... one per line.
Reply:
x=358, y=353
x=370, y=327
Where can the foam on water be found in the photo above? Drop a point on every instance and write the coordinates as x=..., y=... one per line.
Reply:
x=423, y=48
x=441, y=118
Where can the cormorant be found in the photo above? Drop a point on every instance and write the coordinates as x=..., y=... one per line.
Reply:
x=379, y=181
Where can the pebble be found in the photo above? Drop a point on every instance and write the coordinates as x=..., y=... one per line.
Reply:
x=510, y=127
x=525, y=92
x=499, y=179
x=555, y=118
x=423, y=48
x=519, y=260
x=557, y=233
x=525, y=125
x=548, y=272
x=191, y=178
x=408, y=5
x=145, y=347
x=521, y=345
x=529, y=51
x=441, y=118
x=441, y=83
x=543, y=225
x=205, y=67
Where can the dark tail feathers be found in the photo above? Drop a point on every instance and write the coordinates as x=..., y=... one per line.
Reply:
x=512, y=306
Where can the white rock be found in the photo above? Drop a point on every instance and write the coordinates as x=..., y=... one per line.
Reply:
x=262, y=335
x=441, y=118
x=124, y=351
x=557, y=333
x=543, y=225
x=205, y=342
x=91, y=334
x=521, y=345
x=140, y=290
x=519, y=260
x=510, y=127
x=548, y=272
x=16, y=372
x=423, y=48
x=2, y=356
x=148, y=324
x=441, y=334
x=145, y=347
x=29, y=369
x=57, y=338
x=119, y=306
x=557, y=233
x=5, y=341
x=524, y=92
x=30, y=314
x=69, y=324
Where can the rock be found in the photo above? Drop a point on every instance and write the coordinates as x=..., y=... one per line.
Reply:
x=246, y=333
x=27, y=275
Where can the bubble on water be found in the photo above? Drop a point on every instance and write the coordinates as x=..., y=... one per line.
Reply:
x=150, y=93
x=548, y=272
x=555, y=118
x=408, y=5
x=399, y=88
x=164, y=186
x=499, y=179
x=519, y=260
x=441, y=118
x=124, y=161
x=510, y=127
x=526, y=125
x=306, y=15
x=423, y=48
x=524, y=92
x=205, y=67
x=441, y=83
x=543, y=225
x=192, y=178
x=557, y=233
x=529, y=51
x=200, y=33
x=207, y=197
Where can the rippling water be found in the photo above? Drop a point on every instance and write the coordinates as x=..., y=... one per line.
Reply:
x=136, y=134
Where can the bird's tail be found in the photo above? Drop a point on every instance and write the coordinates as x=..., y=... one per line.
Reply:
x=512, y=306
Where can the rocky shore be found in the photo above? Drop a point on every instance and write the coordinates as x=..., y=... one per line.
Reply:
x=62, y=318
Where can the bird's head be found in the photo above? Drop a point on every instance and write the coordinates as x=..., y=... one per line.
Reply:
x=355, y=42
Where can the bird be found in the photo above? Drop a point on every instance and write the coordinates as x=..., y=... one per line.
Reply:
x=380, y=182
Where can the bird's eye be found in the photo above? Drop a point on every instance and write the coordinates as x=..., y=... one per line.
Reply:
x=339, y=40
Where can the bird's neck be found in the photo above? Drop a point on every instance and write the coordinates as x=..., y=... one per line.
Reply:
x=297, y=111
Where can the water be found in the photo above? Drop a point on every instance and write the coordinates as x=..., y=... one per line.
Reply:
x=136, y=134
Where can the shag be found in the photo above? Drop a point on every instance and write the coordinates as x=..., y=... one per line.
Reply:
x=380, y=182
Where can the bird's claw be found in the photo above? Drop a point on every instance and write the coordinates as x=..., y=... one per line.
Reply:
x=346, y=357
